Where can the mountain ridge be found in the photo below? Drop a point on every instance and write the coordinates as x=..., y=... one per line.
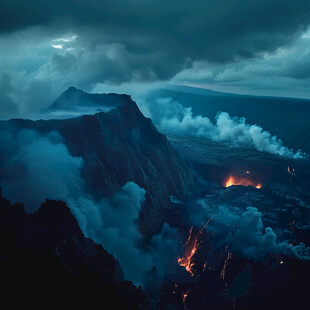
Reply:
x=47, y=262
x=119, y=146
x=75, y=98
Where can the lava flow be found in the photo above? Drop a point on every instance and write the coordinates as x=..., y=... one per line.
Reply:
x=184, y=296
x=191, y=248
x=232, y=180
x=291, y=173
x=223, y=272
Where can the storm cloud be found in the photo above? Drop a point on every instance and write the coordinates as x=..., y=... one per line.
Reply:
x=218, y=30
x=280, y=73
x=48, y=46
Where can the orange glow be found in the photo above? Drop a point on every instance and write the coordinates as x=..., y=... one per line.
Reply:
x=232, y=180
x=229, y=255
x=184, y=296
x=290, y=171
x=191, y=248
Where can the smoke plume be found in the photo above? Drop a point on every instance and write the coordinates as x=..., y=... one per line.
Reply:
x=35, y=167
x=244, y=233
x=171, y=117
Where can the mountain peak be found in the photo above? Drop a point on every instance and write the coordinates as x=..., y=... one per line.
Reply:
x=78, y=101
x=71, y=88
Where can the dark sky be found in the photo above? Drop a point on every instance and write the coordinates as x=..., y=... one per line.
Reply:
x=246, y=46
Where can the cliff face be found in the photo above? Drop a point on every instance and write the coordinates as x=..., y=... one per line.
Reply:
x=119, y=146
x=46, y=262
x=74, y=99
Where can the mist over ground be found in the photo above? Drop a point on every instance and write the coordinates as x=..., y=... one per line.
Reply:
x=243, y=231
x=36, y=167
x=172, y=118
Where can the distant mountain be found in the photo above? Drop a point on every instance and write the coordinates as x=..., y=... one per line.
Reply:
x=119, y=146
x=46, y=262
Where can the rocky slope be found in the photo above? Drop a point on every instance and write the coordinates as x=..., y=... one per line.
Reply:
x=119, y=146
x=46, y=262
x=231, y=270
x=74, y=100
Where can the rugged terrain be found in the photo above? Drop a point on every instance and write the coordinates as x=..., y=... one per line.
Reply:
x=46, y=262
x=243, y=216
x=118, y=146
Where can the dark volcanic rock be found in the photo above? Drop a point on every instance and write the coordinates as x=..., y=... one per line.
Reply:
x=75, y=99
x=225, y=277
x=46, y=262
x=119, y=146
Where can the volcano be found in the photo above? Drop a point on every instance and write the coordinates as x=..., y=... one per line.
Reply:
x=117, y=146
x=218, y=227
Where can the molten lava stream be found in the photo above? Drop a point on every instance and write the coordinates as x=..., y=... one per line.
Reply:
x=191, y=248
x=184, y=296
x=232, y=180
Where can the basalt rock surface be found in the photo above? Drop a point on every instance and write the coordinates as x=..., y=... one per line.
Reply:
x=118, y=146
x=46, y=262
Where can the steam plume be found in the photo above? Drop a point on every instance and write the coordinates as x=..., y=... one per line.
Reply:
x=35, y=167
x=243, y=231
x=172, y=118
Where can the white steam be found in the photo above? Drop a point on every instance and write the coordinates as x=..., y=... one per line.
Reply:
x=35, y=167
x=171, y=117
x=113, y=223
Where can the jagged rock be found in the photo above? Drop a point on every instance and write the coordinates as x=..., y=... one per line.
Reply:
x=46, y=262
x=119, y=146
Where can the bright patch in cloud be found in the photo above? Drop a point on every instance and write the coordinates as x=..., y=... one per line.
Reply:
x=67, y=39
x=59, y=46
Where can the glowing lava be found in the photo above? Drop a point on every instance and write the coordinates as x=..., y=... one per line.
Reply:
x=228, y=258
x=184, y=296
x=232, y=180
x=291, y=173
x=191, y=248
